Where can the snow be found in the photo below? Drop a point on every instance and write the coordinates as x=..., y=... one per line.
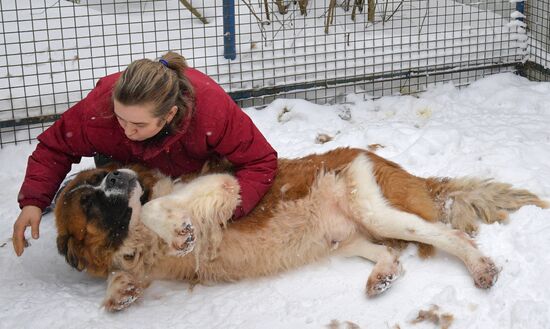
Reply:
x=496, y=127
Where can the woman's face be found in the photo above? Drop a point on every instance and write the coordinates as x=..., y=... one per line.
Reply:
x=138, y=121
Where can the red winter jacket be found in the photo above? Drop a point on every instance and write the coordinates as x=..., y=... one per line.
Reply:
x=218, y=127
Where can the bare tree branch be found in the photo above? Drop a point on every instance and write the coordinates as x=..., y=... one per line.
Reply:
x=281, y=5
x=330, y=14
x=371, y=10
x=303, y=6
x=396, y=10
x=253, y=12
x=193, y=11
x=266, y=7
x=357, y=5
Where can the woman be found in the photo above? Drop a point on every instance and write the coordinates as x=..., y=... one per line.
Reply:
x=162, y=114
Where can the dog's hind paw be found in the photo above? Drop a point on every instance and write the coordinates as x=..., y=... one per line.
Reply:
x=485, y=274
x=382, y=277
x=183, y=241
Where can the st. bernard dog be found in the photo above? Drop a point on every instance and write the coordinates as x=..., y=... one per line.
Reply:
x=134, y=225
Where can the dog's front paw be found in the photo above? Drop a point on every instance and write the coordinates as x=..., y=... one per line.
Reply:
x=213, y=198
x=183, y=240
x=173, y=224
x=122, y=292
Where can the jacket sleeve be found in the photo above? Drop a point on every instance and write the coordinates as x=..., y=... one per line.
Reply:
x=61, y=145
x=235, y=137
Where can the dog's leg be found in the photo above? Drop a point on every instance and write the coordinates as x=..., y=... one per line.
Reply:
x=391, y=223
x=123, y=289
x=383, y=220
x=386, y=268
x=173, y=226
x=195, y=211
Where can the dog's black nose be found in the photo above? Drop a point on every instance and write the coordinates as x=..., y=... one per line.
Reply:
x=116, y=180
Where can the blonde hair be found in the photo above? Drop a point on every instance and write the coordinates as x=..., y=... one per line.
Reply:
x=161, y=83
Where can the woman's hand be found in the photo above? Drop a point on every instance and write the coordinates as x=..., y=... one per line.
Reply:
x=29, y=216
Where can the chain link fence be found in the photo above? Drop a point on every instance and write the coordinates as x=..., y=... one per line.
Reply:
x=52, y=52
x=537, y=66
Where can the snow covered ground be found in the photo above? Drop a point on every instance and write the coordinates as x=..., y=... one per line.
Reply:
x=497, y=127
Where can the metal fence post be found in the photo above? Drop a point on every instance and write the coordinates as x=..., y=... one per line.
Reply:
x=229, y=51
x=520, y=7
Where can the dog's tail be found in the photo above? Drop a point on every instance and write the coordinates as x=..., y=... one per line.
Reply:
x=463, y=201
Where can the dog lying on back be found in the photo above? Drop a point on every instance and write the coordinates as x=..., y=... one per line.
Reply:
x=134, y=225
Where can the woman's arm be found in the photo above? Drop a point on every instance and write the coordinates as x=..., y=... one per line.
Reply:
x=234, y=136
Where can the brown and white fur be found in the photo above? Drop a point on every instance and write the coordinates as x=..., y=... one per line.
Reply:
x=348, y=201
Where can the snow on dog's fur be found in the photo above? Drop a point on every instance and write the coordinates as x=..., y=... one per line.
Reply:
x=347, y=201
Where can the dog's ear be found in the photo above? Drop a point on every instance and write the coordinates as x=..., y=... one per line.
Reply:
x=87, y=204
x=69, y=247
x=62, y=241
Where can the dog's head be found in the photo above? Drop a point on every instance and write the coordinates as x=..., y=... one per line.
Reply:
x=93, y=214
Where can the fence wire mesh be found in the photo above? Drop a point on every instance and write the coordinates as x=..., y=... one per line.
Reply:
x=52, y=52
x=538, y=27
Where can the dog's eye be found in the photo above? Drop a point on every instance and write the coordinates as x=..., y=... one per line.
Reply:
x=96, y=179
x=129, y=256
x=87, y=198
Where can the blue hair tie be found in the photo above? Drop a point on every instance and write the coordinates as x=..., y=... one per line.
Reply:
x=163, y=62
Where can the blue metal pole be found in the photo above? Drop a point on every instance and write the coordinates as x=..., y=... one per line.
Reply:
x=229, y=50
x=520, y=6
